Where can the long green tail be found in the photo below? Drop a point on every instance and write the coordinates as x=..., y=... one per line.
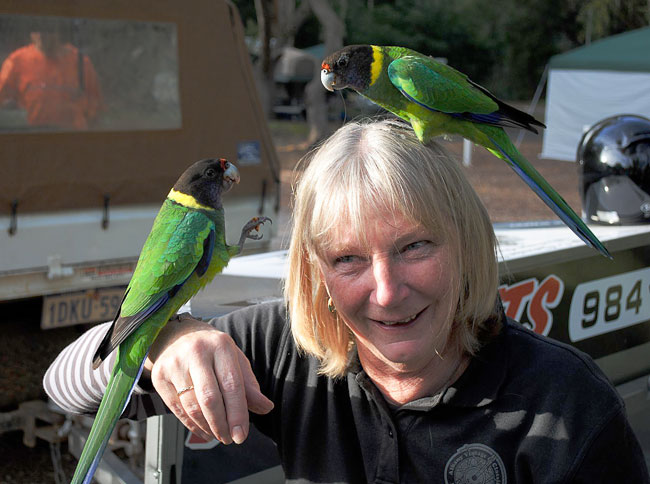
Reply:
x=119, y=390
x=507, y=152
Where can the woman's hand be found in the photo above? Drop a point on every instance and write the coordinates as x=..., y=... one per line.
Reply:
x=192, y=353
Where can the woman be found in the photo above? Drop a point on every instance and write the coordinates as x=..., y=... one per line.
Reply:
x=391, y=359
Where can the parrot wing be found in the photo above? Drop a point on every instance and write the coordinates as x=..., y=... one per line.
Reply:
x=438, y=87
x=179, y=244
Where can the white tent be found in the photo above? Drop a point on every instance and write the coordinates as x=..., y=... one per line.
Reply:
x=610, y=76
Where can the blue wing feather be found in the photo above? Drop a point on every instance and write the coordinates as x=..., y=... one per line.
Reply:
x=586, y=238
x=494, y=119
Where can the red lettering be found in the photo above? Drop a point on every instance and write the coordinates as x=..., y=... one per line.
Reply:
x=514, y=297
x=548, y=295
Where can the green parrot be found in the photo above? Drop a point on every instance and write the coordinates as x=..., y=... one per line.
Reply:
x=185, y=249
x=437, y=99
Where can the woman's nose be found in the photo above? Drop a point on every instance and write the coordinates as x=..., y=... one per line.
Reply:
x=389, y=289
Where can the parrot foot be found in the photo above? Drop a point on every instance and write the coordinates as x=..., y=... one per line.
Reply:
x=253, y=225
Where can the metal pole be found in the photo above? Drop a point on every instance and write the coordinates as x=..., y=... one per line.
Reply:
x=164, y=450
x=467, y=152
x=533, y=103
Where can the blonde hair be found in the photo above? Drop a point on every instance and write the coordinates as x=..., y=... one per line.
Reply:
x=368, y=166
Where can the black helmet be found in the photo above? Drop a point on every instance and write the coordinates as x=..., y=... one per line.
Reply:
x=614, y=169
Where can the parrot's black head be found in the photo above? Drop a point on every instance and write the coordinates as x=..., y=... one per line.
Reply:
x=349, y=67
x=203, y=183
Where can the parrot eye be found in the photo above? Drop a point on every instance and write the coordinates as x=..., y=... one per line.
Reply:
x=342, y=62
x=211, y=173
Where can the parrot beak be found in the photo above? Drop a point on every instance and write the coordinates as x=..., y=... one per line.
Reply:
x=230, y=176
x=327, y=78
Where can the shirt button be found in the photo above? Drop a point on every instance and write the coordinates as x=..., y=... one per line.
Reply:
x=390, y=433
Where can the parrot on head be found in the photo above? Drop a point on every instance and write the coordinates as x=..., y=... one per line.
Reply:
x=185, y=249
x=437, y=99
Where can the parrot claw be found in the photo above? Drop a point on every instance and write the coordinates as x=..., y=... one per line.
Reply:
x=253, y=225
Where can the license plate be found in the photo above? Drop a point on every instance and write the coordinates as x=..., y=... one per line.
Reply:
x=80, y=307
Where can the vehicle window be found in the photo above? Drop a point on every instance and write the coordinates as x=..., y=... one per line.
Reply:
x=77, y=74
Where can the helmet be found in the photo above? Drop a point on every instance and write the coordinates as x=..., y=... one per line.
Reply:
x=614, y=170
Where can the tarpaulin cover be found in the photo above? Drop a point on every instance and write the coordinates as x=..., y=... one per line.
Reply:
x=220, y=116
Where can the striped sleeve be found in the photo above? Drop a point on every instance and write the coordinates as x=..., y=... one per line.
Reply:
x=73, y=385
x=71, y=382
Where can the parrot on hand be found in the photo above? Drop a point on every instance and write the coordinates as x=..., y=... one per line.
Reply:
x=185, y=249
x=437, y=99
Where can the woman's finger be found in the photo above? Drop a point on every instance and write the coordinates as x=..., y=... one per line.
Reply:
x=168, y=393
x=256, y=401
x=169, y=376
x=210, y=402
x=232, y=388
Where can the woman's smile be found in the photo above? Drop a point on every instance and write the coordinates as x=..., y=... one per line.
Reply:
x=398, y=322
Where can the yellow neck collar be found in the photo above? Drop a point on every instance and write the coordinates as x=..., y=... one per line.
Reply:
x=377, y=63
x=186, y=200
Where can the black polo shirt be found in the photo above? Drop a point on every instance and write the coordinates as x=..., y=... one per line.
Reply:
x=527, y=409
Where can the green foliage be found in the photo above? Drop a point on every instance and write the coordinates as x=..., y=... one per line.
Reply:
x=529, y=35
x=246, y=10
x=308, y=34
x=451, y=30
x=503, y=45
x=601, y=18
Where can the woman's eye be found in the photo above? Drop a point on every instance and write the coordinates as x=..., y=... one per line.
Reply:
x=420, y=244
x=415, y=245
x=344, y=259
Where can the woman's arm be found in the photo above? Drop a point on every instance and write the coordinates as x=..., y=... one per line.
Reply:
x=187, y=353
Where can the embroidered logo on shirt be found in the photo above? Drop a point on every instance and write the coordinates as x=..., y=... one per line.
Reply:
x=476, y=463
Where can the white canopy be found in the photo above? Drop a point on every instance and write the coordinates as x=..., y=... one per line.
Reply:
x=588, y=84
x=578, y=99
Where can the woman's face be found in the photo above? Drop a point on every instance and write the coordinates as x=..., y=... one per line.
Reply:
x=395, y=294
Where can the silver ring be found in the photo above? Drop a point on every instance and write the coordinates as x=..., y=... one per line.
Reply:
x=183, y=390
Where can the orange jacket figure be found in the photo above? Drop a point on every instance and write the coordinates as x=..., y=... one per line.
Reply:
x=45, y=79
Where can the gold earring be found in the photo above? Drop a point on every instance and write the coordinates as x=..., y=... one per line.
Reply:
x=330, y=305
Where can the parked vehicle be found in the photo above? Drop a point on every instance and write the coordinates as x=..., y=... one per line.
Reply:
x=102, y=107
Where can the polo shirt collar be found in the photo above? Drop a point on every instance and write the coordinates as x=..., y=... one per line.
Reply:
x=481, y=382
x=478, y=386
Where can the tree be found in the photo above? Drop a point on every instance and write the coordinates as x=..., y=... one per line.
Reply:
x=333, y=30
x=278, y=22
x=264, y=10
x=502, y=45
x=601, y=18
